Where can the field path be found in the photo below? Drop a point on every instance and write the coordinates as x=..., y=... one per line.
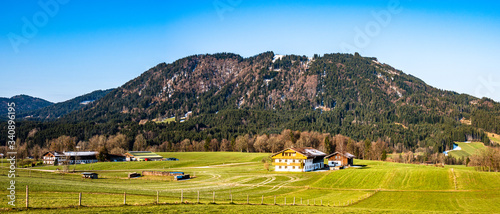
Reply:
x=220, y=165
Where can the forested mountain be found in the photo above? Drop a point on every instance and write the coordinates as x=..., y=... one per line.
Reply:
x=60, y=109
x=221, y=96
x=24, y=103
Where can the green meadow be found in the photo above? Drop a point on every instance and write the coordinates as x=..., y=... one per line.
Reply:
x=232, y=178
x=468, y=149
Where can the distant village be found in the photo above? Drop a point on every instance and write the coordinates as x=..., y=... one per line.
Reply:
x=86, y=157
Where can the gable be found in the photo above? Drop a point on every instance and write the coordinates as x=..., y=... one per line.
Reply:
x=289, y=153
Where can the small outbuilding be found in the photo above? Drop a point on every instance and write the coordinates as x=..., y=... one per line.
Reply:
x=90, y=175
x=339, y=160
x=134, y=175
x=181, y=177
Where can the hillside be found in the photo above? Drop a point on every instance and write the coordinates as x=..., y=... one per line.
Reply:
x=60, y=109
x=24, y=103
x=225, y=95
x=466, y=149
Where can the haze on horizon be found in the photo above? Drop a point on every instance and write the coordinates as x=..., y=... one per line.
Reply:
x=57, y=50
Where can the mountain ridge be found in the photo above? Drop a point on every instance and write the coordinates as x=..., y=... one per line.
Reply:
x=23, y=103
x=225, y=95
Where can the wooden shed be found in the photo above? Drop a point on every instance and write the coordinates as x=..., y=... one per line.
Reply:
x=134, y=175
x=338, y=159
x=90, y=175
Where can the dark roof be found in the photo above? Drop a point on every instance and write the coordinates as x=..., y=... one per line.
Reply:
x=144, y=154
x=89, y=173
x=346, y=154
x=55, y=153
x=72, y=154
x=306, y=151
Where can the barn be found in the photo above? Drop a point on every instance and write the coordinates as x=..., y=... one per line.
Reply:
x=339, y=159
x=142, y=156
x=59, y=158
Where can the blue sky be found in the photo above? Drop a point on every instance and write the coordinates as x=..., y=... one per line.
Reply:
x=76, y=46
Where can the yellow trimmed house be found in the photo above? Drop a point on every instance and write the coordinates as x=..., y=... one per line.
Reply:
x=298, y=160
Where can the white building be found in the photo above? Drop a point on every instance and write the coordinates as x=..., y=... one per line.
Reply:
x=72, y=157
x=298, y=160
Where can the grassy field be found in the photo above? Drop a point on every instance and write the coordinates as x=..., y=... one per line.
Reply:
x=468, y=149
x=494, y=137
x=168, y=120
x=380, y=187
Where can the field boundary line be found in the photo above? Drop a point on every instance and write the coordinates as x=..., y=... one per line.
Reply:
x=454, y=178
x=363, y=199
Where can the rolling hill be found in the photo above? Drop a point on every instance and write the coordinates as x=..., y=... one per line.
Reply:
x=24, y=103
x=467, y=149
x=57, y=110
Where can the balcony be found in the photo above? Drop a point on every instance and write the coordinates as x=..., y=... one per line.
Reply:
x=288, y=164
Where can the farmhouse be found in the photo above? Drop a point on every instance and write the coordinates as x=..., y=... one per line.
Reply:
x=338, y=159
x=142, y=156
x=70, y=157
x=298, y=160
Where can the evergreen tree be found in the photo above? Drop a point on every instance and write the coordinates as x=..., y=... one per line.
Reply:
x=103, y=154
x=384, y=155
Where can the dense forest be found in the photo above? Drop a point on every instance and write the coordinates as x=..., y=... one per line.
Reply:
x=224, y=96
x=57, y=110
x=24, y=103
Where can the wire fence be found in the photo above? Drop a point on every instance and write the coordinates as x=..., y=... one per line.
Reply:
x=49, y=199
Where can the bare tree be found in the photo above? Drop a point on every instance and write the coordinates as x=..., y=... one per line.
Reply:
x=276, y=143
x=185, y=145
x=140, y=143
x=224, y=145
x=214, y=145
x=261, y=143
x=241, y=143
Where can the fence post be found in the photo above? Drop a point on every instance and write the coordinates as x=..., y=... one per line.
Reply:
x=80, y=199
x=293, y=200
x=274, y=200
x=321, y=202
x=285, y=200
x=124, y=198
x=262, y=200
x=157, y=197
x=198, y=198
x=182, y=196
x=27, y=197
x=248, y=201
x=213, y=198
x=231, y=196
